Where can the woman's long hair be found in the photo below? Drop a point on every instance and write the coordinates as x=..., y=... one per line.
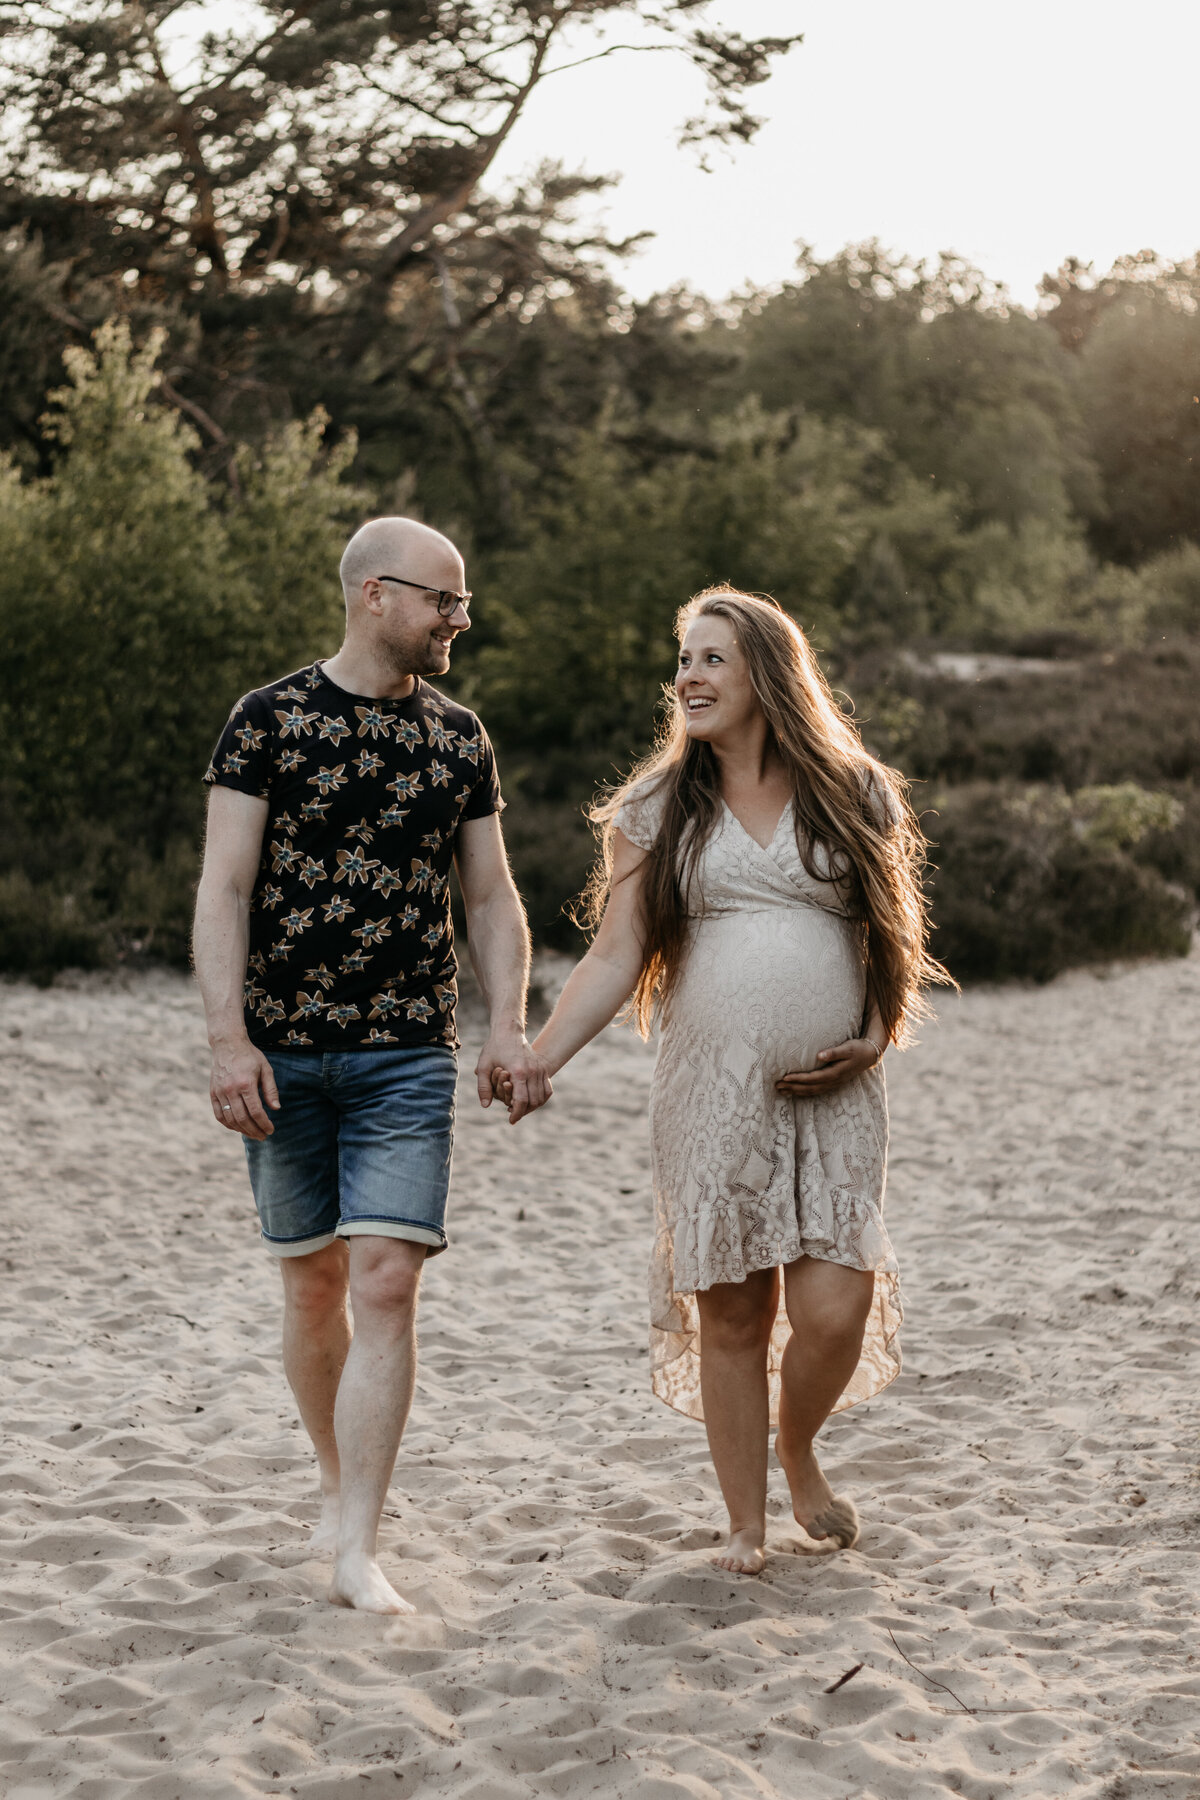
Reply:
x=854, y=807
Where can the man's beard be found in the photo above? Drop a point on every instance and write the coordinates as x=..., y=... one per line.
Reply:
x=420, y=654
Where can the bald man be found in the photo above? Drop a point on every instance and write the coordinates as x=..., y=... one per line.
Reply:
x=323, y=946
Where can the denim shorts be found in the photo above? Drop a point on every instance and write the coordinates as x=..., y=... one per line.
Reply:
x=361, y=1147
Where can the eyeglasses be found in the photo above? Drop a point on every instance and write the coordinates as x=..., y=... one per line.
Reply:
x=447, y=600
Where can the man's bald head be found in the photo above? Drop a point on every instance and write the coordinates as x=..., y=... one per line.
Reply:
x=392, y=573
x=399, y=547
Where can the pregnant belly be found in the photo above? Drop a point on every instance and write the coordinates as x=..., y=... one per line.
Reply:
x=788, y=982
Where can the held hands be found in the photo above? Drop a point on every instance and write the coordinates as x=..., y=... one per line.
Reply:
x=503, y=1090
x=510, y=1071
x=834, y=1067
x=502, y=1087
x=239, y=1071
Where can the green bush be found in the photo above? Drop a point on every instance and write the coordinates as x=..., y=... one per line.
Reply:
x=576, y=635
x=1107, y=717
x=136, y=604
x=1032, y=882
x=88, y=895
x=138, y=600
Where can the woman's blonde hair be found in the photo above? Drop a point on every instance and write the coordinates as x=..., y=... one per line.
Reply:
x=854, y=806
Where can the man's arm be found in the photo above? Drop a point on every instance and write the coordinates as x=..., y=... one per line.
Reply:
x=220, y=944
x=498, y=940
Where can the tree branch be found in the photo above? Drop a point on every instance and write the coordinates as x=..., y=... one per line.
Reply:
x=426, y=112
x=209, y=424
x=613, y=50
x=436, y=212
x=208, y=237
x=462, y=386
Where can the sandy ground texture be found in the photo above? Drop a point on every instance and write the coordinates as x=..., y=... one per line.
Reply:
x=1023, y=1599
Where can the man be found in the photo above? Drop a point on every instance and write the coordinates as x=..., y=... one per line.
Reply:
x=323, y=948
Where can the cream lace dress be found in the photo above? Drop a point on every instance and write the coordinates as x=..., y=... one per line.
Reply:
x=747, y=1178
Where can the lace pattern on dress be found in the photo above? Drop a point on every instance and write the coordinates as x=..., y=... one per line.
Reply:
x=746, y=1178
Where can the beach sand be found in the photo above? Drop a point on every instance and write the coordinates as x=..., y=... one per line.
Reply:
x=1023, y=1600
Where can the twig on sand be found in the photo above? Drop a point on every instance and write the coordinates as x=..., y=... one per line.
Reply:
x=843, y=1679
x=1132, y=1550
x=933, y=1682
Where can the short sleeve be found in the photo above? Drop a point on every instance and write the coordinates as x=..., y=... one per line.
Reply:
x=640, y=816
x=485, y=797
x=242, y=758
x=882, y=803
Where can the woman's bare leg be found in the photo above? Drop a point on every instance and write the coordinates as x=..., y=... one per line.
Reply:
x=735, y=1329
x=827, y=1306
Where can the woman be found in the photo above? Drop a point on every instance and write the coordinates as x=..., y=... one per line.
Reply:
x=761, y=893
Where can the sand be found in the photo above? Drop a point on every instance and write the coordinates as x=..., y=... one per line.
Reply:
x=1023, y=1601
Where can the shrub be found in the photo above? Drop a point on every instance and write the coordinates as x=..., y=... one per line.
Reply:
x=1105, y=718
x=88, y=895
x=1031, y=882
x=136, y=604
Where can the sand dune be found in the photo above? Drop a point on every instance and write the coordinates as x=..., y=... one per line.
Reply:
x=1023, y=1600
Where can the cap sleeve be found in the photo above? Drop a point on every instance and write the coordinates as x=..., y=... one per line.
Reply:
x=640, y=815
x=882, y=803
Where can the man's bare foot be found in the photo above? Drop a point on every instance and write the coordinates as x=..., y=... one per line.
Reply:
x=816, y=1507
x=358, y=1581
x=324, y=1538
x=743, y=1555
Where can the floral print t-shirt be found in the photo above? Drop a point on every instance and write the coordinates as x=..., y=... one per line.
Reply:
x=351, y=946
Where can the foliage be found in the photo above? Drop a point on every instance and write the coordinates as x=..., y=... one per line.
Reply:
x=90, y=895
x=1140, y=391
x=909, y=463
x=1097, y=719
x=300, y=195
x=582, y=612
x=971, y=394
x=135, y=605
x=1031, y=883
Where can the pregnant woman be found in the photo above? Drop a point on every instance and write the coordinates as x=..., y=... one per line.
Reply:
x=761, y=895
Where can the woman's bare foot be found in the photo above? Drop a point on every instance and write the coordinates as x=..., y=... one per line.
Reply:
x=358, y=1581
x=324, y=1538
x=816, y=1507
x=743, y=1555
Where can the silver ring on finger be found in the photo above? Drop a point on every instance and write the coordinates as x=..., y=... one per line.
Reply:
x=226, y=1108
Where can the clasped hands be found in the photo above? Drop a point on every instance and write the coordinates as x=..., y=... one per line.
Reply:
x=511, y=1071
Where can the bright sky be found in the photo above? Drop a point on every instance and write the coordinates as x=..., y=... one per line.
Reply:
x=1016, y=135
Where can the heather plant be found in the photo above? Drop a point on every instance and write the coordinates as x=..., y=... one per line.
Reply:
x=1033, y=882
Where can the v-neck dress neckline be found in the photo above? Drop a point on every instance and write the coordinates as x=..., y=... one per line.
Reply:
x=765, y=848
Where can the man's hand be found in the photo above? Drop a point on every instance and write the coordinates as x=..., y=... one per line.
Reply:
x=834, y=1067
x=509, y=1051
x=239, y=1071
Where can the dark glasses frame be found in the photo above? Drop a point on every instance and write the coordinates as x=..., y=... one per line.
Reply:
x=448, y=601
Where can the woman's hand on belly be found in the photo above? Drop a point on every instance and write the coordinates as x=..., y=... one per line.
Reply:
x=834, y=1067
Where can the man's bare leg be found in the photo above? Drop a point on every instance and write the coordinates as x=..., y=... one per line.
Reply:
x=828, y=1306
x=735, y=1329
x=316, y=1337
x=373, y=1401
